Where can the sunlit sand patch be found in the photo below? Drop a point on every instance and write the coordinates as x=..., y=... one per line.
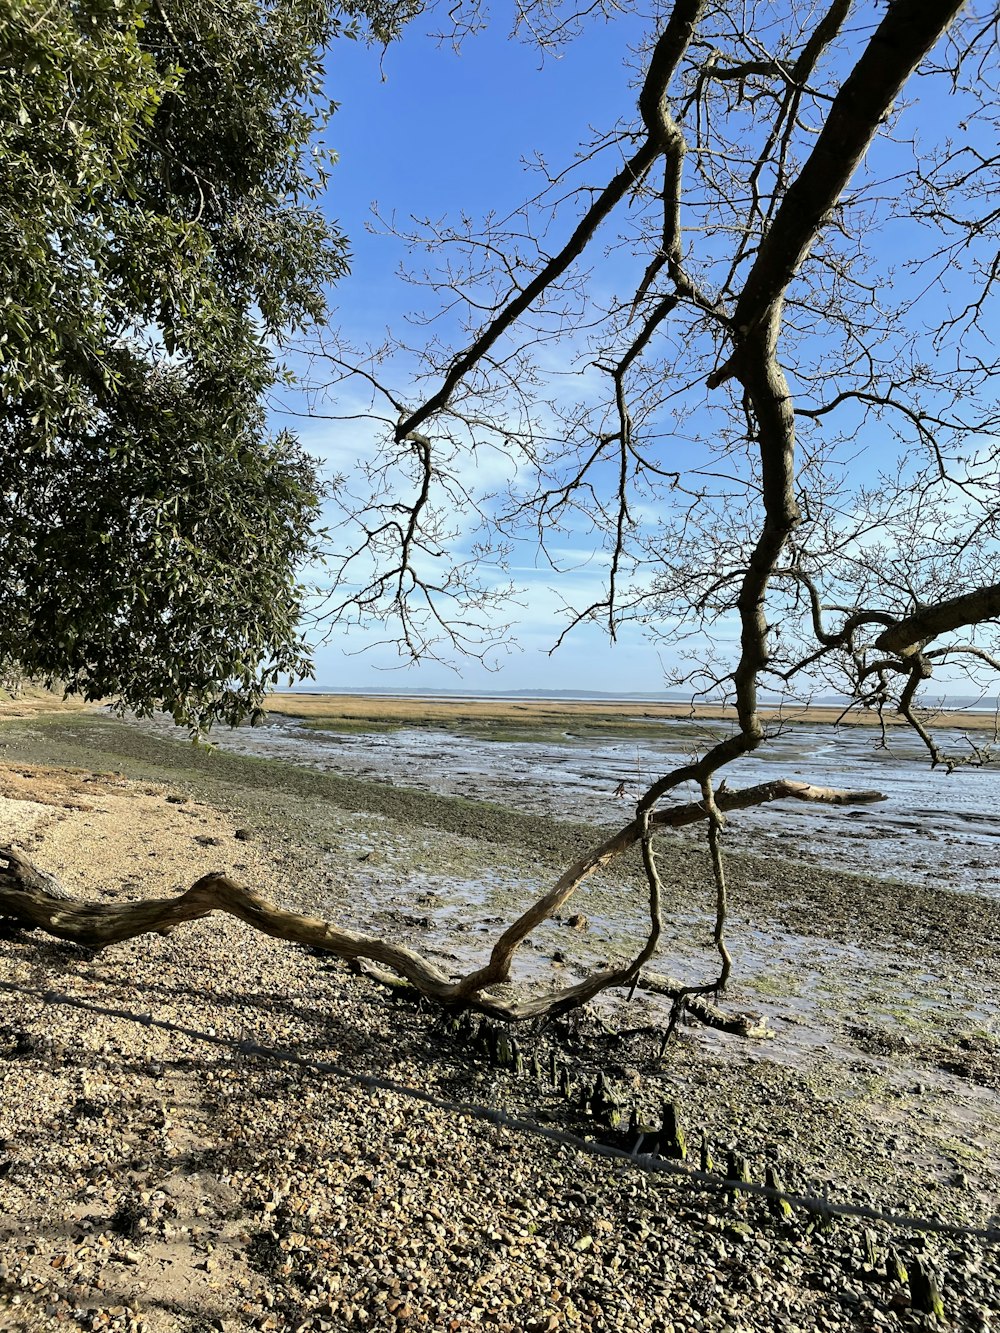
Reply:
x=18, y=818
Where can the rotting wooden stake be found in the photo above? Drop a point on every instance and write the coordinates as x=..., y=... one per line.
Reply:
x=924, y=1293
x=673, y=1142
x=779, y=1207
x=736, y=1170
x=895, y=1269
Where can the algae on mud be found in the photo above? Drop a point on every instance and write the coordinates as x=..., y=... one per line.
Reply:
x=418, y=842
x=811, y=899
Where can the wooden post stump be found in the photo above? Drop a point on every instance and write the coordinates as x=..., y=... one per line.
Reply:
x=565, y=1082
x=516, y=1057
x=605, y=1103
x=554, y=1063
x=640, y=1135
x=503, y=1051
x=737, y=1170
x=895, y=1269
x=467, y=1027
x=924, y=1293
x=780, y=1207
x=673, y=1142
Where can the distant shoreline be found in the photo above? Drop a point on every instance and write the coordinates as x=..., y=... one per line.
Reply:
x=515, y=710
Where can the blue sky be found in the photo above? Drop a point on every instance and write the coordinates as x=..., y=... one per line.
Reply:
x=427, y=131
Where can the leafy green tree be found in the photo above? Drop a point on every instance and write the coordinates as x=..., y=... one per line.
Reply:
x=159, y=235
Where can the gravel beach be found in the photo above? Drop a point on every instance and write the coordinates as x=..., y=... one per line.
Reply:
x=214, y=1130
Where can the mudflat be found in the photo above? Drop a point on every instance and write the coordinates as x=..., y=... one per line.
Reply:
x=213, y=1130
x=540, y=715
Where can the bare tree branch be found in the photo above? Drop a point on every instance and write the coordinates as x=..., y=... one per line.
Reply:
x=35, y=901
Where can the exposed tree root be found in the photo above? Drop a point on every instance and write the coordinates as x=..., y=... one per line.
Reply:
x=34, y=900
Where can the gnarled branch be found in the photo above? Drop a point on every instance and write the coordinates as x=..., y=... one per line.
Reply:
x=33, y=900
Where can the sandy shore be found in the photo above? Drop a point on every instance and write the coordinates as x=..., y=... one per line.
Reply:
x=537, y=713
x=33, y=701
x=157, y=1175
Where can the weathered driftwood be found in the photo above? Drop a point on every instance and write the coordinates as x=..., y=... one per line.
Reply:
x=742, y=1025
x=34, y=900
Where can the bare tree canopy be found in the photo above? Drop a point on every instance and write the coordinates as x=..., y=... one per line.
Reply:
x=740, y=348
x=779, y=433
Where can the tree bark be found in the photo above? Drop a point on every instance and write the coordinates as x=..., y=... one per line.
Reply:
x=908, y=636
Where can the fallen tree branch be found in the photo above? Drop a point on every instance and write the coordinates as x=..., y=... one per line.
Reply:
x=96, y=925
x=742, y=1025
x=679, y=816
x=34, y=900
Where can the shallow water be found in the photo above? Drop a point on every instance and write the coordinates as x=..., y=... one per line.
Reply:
x=933, y=828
